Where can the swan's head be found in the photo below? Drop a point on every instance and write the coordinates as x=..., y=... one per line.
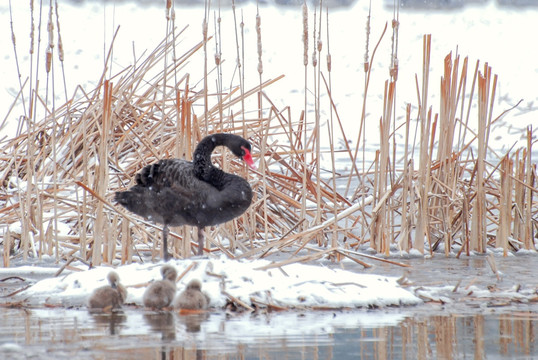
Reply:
x=242, y=149
x=195, y=285
x=169, y=273
x=239, y=146
x=113, y=279
x=247, y=157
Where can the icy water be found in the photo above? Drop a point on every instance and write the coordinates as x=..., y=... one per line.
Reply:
x=457, y=328
x=134, y=334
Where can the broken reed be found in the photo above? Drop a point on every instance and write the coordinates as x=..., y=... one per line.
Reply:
x=103, y=138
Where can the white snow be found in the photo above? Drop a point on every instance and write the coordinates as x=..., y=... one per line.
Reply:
x=294, y=286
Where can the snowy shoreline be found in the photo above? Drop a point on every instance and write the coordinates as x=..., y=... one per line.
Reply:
x=295, y=286
x=298, y=286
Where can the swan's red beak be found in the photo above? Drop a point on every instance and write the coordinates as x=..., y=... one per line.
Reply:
x=248, y=159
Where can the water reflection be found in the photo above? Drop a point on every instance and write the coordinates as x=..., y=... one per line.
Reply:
x=139, y=334
x=193, y=322
x=111, y=322
x=162, y=322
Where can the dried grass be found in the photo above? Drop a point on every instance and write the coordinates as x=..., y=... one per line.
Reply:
x=65, y=167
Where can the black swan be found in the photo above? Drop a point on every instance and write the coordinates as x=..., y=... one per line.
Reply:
x=192, y=297
x=178, y=192
x=109, y=296
x=161, y=292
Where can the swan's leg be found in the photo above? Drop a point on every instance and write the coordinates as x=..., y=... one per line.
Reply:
x=200, y=241
x=166, y=230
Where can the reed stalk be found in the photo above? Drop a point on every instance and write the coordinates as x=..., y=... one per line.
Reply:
x=478, y=227
x=15, y=53
x=404, y=243
x=530, y=180
x=518, y=229
x=505, y=204
x=105, y=136
x=316, y=58
x=304, y=113
x=425, y=126
x=207, y=4
x=382, y=221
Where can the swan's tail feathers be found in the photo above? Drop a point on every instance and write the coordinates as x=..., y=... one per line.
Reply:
x=134, y=201
x=146, y=177
x=125, y=198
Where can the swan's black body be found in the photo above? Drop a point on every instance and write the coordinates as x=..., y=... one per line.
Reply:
x=178, y=192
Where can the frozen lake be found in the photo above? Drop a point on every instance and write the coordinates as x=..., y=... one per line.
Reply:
x=460, y=326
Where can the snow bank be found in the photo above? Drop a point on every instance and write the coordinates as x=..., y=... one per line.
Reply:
x=295, y=285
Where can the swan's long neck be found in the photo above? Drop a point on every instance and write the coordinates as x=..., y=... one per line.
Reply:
x=203, y=168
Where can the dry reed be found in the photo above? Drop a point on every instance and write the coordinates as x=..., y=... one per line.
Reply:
x=62, y=171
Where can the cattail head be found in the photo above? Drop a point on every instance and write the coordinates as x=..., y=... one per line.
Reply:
x=32, y=28
x=204, y=29
x=314, y=53
x=305, y=34
x=60, y=49
x=60, y=44
x=32, y=33
x=394, y=69
x=259, y=41
x=50, y=30
x=168, y=8
x=366, y=56
x=48, y=61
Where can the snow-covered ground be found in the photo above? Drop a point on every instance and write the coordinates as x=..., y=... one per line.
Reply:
x=301, y=286
x=294, y=286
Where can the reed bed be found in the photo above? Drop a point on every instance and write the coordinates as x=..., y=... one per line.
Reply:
x=58, y=176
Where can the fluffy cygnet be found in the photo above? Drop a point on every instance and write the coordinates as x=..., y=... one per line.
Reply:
x=192, y=297
x=108, y=296
x=160, y=294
